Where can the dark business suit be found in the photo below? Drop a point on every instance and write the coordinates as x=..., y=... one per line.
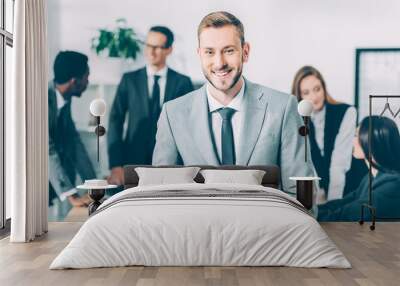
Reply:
x=132, y=97
x=67, y=154
x=385, y=197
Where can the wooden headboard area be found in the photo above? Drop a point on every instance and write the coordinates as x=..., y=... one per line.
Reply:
x=270, y=179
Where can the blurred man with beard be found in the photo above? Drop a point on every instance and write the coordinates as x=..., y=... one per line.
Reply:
x=230, y=120
x=67, y=154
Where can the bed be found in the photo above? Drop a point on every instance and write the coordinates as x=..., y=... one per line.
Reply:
x=201, y=224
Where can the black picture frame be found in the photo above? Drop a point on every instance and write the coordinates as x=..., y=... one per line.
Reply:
x=361, y=101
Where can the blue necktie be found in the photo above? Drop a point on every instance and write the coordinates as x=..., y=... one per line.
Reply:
x=227, y=144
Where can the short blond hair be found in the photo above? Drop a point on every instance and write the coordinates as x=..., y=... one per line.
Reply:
x=221, y=19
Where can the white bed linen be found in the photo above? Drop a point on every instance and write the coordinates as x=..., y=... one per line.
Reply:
x=200, y=231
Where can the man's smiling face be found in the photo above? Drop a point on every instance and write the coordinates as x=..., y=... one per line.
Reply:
x=222, y=56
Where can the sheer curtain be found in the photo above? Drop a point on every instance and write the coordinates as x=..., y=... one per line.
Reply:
x=26, y=128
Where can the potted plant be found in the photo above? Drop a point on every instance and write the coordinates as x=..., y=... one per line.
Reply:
x=119, y=43
x=118, y=48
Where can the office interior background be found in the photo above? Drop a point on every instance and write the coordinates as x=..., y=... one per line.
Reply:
x=283, y=35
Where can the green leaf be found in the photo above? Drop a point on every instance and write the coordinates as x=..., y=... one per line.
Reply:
x=120, y=42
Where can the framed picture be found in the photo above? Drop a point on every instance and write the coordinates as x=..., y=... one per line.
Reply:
x=377, y=73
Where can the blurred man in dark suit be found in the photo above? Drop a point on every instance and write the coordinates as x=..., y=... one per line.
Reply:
x=67, y=154
x=141, y=94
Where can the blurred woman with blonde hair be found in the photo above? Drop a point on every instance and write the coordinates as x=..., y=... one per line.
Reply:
x=332, y=129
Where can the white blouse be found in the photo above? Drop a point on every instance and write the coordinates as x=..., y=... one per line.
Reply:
x=342, y=150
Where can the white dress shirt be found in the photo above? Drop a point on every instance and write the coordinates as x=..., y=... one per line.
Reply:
x=162, y=81
x=60, y=100
x=342, y=150
x=236, y=120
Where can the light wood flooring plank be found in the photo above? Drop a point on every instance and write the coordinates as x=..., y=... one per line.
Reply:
x=375, y=257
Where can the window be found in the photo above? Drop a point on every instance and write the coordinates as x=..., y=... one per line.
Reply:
x=9, y=19
x=377, y=72
x=6, y=43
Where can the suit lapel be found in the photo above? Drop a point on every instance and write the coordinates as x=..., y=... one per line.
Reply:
x=200, y=127
x=143, y=90
x=170, y=86
x=52, y=107
x=255, y=106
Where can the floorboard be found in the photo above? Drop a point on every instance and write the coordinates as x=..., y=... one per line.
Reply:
x=375, y=257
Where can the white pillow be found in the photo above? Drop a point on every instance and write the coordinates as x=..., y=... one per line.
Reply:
x=165, y=176
x=248, y=177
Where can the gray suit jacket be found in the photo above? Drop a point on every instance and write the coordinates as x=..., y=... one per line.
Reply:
x=269, y=133
x=67, y=154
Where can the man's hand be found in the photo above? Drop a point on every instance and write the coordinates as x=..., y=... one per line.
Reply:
x=76, y=201
x=117, y=176
x=321, y=197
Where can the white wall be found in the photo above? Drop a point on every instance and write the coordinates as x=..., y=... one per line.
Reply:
x=284, y=34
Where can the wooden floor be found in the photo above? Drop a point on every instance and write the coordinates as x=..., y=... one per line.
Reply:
x=375, y=257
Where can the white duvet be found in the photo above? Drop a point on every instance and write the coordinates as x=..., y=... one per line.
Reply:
x=200, y=231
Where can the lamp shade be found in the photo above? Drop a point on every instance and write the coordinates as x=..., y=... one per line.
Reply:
x=305, y=108
x=98, y=107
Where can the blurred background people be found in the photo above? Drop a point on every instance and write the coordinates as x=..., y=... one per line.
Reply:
x=67, y=154
x=140, y=95
x=385, y=150
x=332, y=129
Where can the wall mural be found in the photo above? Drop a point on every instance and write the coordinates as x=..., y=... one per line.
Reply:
x=157, y=115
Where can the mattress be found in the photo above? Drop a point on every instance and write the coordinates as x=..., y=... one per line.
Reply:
x=201, y=225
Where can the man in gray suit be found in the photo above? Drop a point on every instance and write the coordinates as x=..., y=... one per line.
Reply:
x=141, y=94
x=67, y=154
x=231, y=120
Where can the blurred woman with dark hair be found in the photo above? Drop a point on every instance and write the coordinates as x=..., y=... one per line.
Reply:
x=332, y=129
x=385, y=168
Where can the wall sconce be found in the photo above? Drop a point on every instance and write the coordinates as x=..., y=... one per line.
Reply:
x=305, y=109
x=97, y=109
x=304, y=185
